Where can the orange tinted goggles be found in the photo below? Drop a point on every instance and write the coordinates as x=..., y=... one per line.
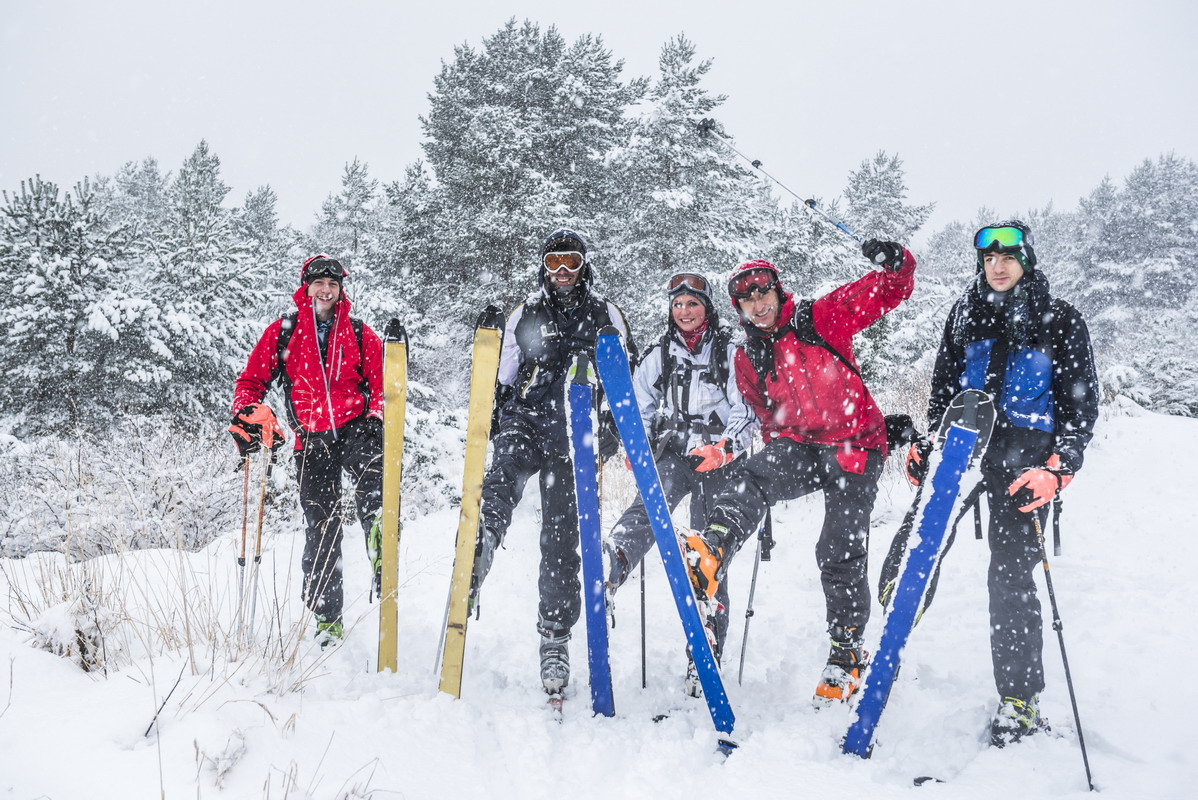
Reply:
x=570, y=261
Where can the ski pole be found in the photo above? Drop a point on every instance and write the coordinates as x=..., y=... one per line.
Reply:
x=245, y=521
x=707, y=126
x=644, y=667
x=268, y=457
x=744, y=644
x=1058, y=627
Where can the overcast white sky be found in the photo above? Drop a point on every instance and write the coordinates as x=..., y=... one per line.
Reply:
x=1009, y=105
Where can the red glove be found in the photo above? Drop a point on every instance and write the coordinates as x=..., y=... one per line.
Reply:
x=1043, y=482
x=713, y=456
x=627, y=464
x=255, y=426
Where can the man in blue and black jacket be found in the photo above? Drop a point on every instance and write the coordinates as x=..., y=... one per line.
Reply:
x=1009, y=336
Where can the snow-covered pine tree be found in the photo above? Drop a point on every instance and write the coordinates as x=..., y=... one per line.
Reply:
x=208, y=289
x=678, y=199
x=1134, y=255
x=271, y=248
x=517, y=133
x=69, y=313
x=876, y=207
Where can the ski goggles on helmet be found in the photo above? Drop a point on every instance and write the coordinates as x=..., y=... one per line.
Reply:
x=688, y=283
x=1002, y=236
x=323, y=267
x=755, y=280
x=570, y=261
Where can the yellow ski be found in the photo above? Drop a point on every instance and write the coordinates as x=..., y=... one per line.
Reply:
x=485, y=367
x=395, y=401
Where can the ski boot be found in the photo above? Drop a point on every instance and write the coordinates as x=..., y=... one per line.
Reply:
x=616, y=570
x=1016, y=719
x=329, y=631
x=691, y=684
x=555, y=665
x=484, y=556
x=847, y=661
x=374, y=551
x=704, y=554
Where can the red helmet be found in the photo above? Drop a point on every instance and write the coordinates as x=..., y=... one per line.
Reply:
x=740, y=285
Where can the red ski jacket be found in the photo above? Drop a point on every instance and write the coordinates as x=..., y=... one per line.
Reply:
x=320, y=397
x=810, y=396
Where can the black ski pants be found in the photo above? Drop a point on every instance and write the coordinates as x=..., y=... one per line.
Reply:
x=633, y=534
x=358, y=450
x=1016, y=625
x=785, y=469
x=519, y=453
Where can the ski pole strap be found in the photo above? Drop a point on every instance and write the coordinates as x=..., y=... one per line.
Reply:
x=766, y=535
x=1056, y=525
x=971, y=501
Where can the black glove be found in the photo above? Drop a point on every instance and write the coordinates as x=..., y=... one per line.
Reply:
x=373, y=427
x=917, y=461
x=887, y=254
x=251, y=425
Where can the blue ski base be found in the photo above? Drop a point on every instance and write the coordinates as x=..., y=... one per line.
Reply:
x=616, y=377
x=913, y=582
x=586, y=489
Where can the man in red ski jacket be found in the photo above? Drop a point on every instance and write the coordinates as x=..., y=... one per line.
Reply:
x=330, y=366
x=822, y=432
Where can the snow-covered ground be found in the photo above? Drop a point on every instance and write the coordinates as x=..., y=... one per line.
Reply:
x=282, y=719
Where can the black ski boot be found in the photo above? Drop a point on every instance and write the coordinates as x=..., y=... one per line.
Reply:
x=484, y=555
x=1016, y=719
x=555, y=661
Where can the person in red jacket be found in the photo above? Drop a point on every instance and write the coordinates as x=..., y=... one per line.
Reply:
x=330, y=366
x=822, y=432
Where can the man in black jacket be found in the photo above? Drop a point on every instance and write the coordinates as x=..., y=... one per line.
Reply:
x=1009, y=336
x=542, y=337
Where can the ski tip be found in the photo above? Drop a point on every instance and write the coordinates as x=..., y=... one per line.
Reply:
x=491, y=317
x=395, y=332
x=922, y=779
x=609, y=330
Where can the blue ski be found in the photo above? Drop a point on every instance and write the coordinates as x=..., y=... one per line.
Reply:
x=581, y=402
x=616, y=377
x=964, y=433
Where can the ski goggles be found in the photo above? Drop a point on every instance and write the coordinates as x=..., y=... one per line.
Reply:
x=324, y=268
x=1005, y=236
x=688, y=283
x=569, y=261
x=758, y=280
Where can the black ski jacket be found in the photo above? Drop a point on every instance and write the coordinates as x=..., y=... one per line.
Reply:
x=1048, y=401
x=540, y=342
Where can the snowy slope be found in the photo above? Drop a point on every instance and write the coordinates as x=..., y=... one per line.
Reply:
x=281, y=719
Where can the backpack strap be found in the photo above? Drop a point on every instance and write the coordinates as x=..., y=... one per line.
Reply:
x=804, y=327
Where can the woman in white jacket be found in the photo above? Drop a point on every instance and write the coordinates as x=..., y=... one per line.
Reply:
x=697, y=421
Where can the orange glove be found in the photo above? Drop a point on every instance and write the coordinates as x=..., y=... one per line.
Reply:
x=713, y=456
x=255, y=426
x=1043, y=482
x=917, y=461
x=627, y=464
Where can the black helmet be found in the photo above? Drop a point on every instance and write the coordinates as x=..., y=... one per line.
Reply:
x=1009, y=236
x=564, y=241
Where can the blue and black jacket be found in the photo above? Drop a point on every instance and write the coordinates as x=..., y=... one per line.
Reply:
x=1048, y=401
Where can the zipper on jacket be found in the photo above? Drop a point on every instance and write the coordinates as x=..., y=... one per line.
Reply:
x=328, y=395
